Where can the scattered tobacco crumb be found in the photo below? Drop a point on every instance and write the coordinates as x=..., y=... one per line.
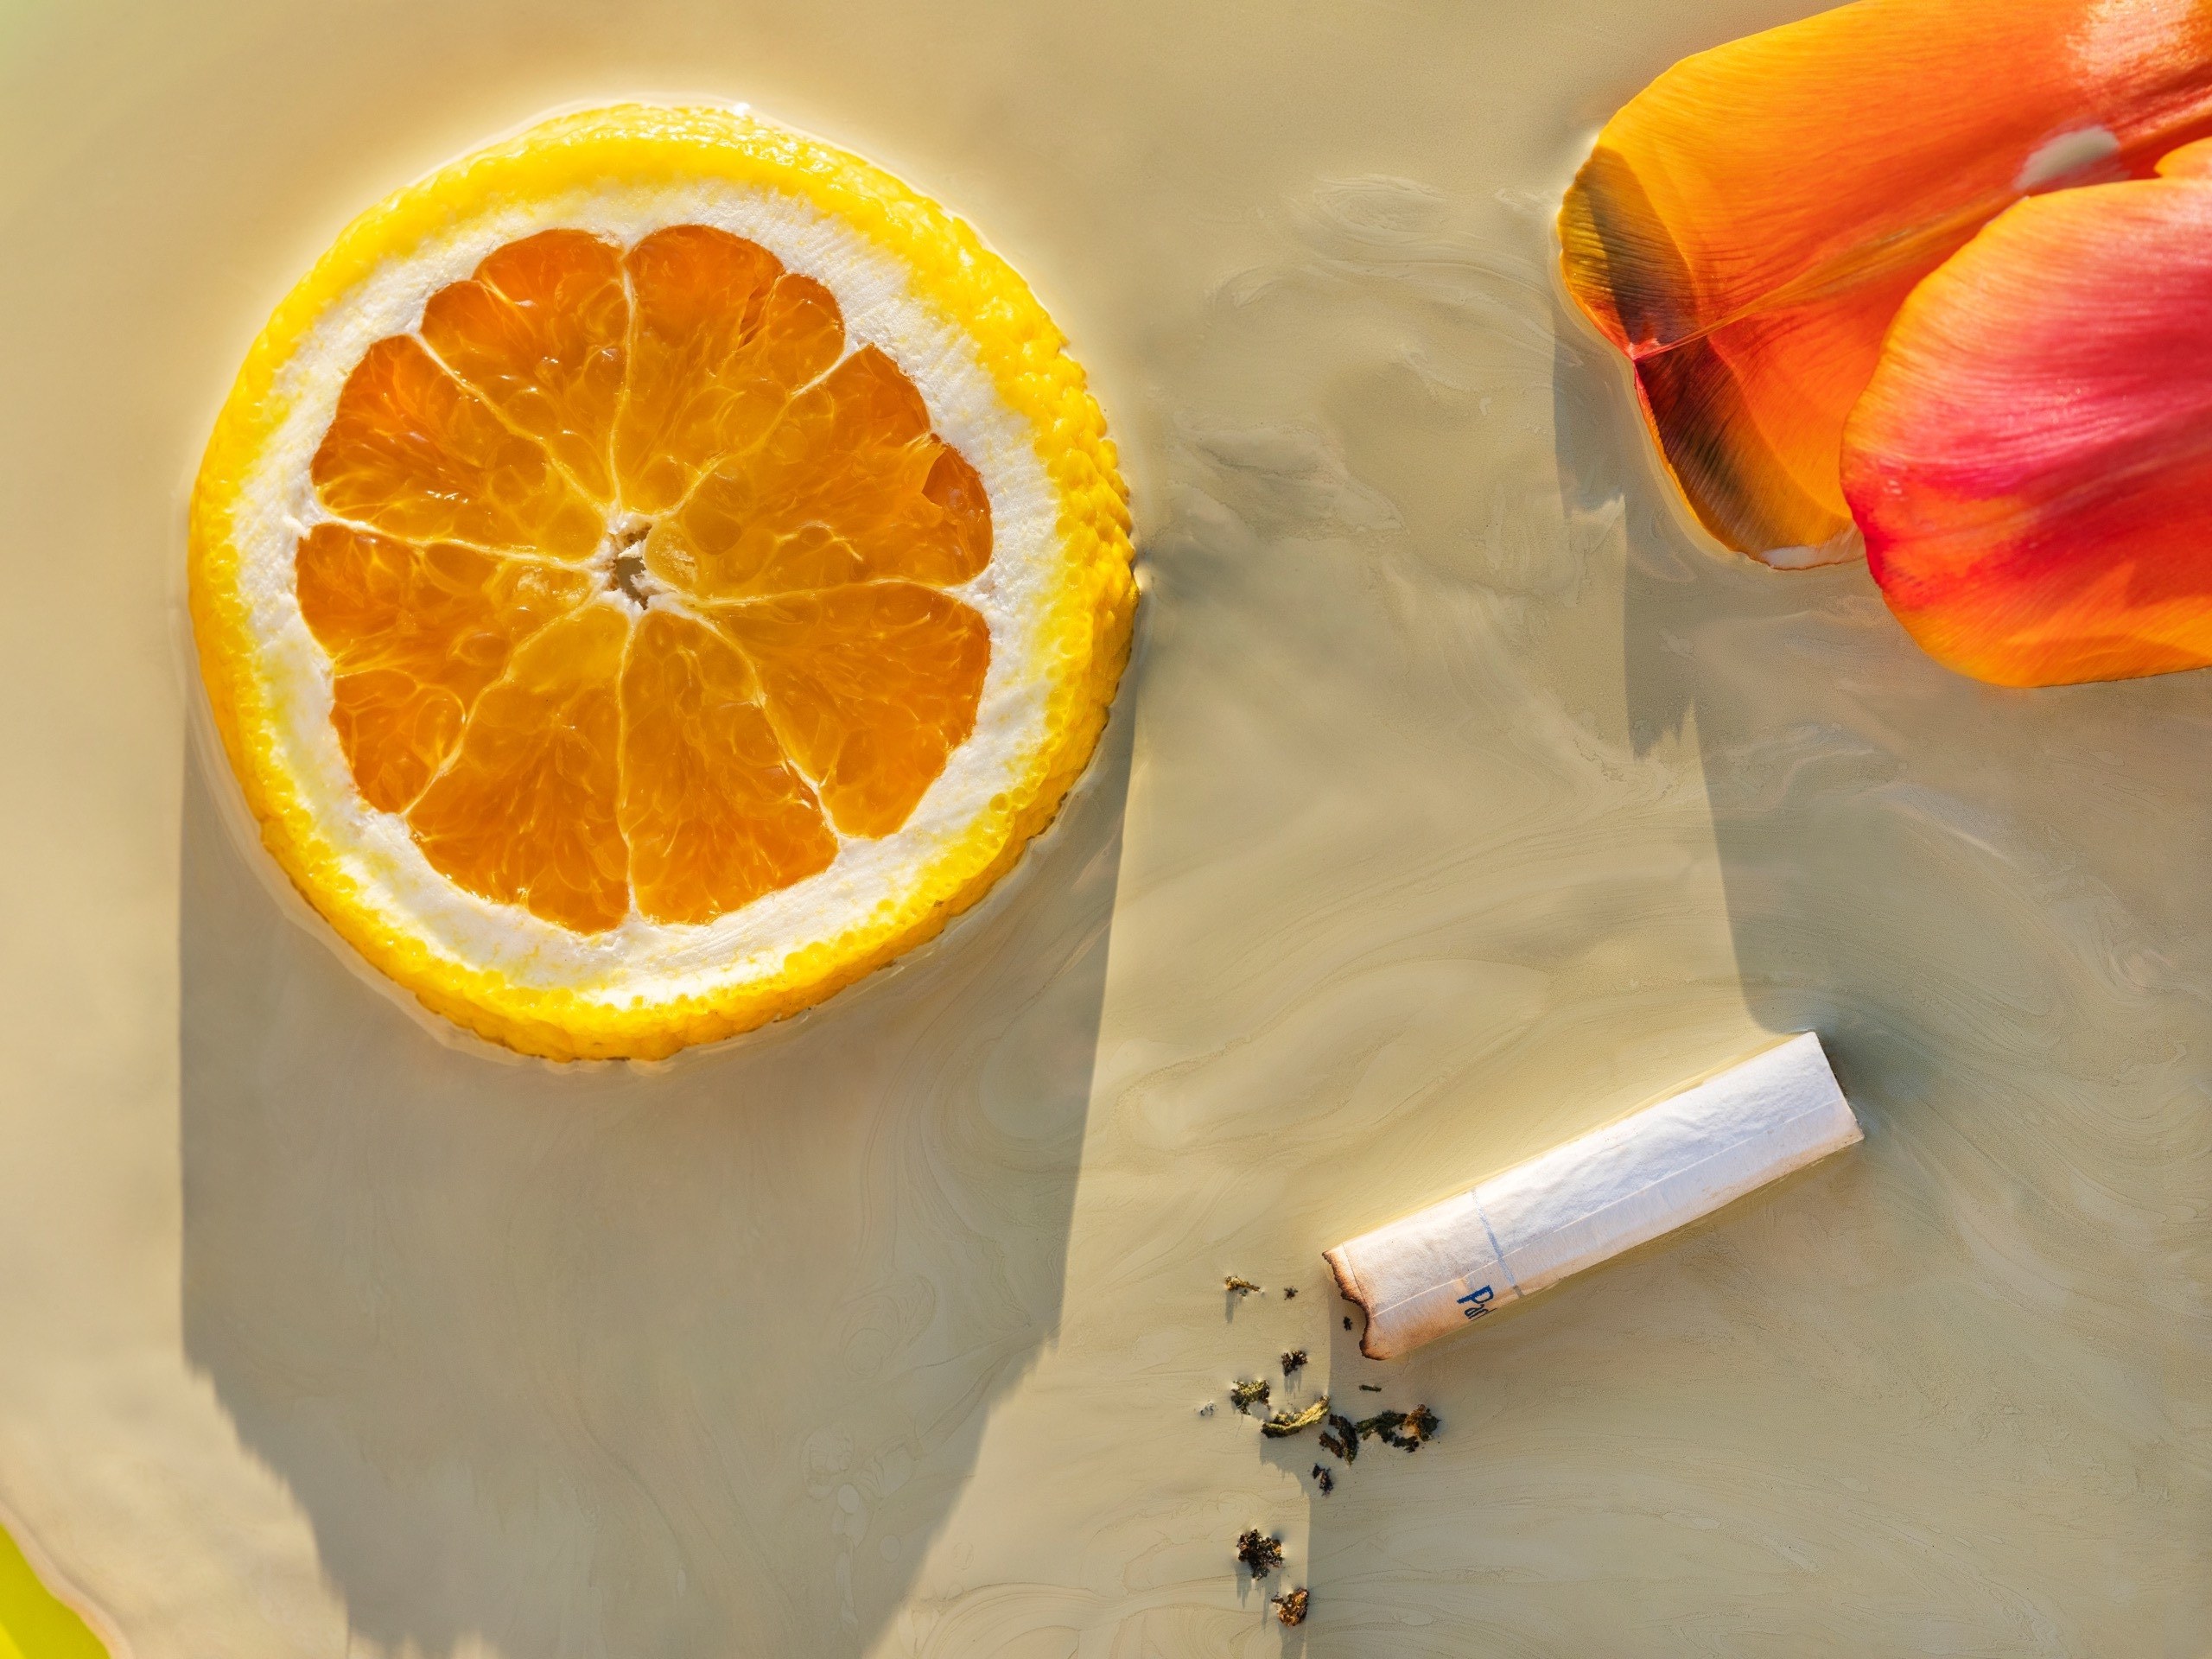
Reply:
x=1260, y=1554
x=1290, y=1293
x=1342, y=1437
x=1294, y=1360
x=1290, y=1606
x=1248, y=1393
x=1408, y=1430
x=1323, y=1478
x=1284, y=1424
x=1347, y=1321
x=1241, y=1287
x=1206, y=1410
x=1371, y=1388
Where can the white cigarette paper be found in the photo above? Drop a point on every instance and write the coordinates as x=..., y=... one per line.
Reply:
x=1608, y=1192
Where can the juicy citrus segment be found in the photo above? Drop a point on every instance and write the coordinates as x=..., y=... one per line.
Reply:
x=724, y=336
x=851, y=485
x=870, y=687
x=538, y=333
x=713, y=816
x=411, y=452
x=414, y=634
x=525, y=814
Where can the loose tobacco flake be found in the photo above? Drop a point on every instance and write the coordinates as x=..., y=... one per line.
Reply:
x=1294, y=1360
x=1260, y=1554
x=1323, y=1478
x=1284, y=1424
x=1290, y=1293
x=1407, y=1430
x=1251, y=1392
x=1420, y=1426
x=1241, y=1287
x=1384, y=1423
x=1371, y=1388
x=1290, y=1606
x=1347, y=1321
x=1342, y=1438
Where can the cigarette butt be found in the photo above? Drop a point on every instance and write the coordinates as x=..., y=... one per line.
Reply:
x=1607, y=1192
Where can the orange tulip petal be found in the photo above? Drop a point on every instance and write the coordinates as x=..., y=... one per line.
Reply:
x=2032, y=462
x=1748, y=224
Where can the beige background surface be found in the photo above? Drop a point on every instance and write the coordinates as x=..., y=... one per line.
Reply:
x=1458, y=802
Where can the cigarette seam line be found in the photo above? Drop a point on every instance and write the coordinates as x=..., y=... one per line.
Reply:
x=1503, y=1263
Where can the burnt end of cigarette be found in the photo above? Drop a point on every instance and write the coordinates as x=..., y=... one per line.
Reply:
x=1353, y=1289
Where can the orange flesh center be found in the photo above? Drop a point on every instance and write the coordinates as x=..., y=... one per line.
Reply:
x=633, y=584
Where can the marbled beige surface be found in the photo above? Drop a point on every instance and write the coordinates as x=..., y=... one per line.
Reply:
x=1458, y=802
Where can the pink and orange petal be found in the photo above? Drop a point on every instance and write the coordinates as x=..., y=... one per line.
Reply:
x=2031, y=464
x=1748, y=225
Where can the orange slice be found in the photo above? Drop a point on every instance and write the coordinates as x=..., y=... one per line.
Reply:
x=651, y=572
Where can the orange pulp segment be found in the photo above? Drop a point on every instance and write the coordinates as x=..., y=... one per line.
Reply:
x=634, y=585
